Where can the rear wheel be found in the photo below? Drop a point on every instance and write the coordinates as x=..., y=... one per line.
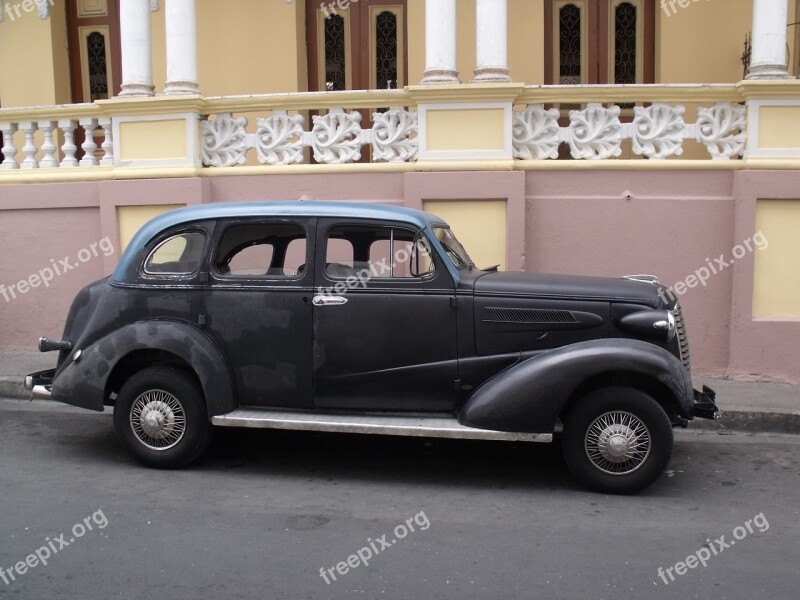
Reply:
x=617, y=440
x=160, y=417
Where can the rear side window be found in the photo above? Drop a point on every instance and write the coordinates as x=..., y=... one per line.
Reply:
x=180, y=254
x=272, y=250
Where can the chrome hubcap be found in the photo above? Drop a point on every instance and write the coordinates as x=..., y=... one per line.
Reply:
x=617, y=443
x=158, y=420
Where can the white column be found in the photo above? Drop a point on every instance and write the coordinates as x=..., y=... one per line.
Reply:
x=137, y=48
x=491, y=33
x=768, y=57
x=181, y=21
x=440, y=42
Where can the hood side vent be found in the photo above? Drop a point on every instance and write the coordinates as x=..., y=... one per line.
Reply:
x=539, y=316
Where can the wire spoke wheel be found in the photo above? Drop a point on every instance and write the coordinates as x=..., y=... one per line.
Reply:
x=158, y=419
x=617, y=443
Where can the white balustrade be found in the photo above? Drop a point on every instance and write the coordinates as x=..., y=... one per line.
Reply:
x=51, y=144
x=89, y=146
x=68, y=148
x=108, y=142
x=49, y=147
x=335, y=138
x=657, y=131
x=591, y=130
x=9, y=150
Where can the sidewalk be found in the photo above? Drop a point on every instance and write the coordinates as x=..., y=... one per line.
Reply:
x=746, y=406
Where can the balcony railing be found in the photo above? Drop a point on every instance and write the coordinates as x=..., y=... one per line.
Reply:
x=30, y=134
x=656, y=121
x=576, y=124
x=337, y=136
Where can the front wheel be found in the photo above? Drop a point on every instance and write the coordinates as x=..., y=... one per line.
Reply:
x=160, y=417
x=617, y=440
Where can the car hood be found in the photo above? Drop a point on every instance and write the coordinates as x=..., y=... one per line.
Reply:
x=545, y=285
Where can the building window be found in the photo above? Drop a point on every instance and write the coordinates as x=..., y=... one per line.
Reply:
x=625, y=43
x=97, y=66
x=569, y=20
x=386, y=51
x=599, y=41
x=335, y=59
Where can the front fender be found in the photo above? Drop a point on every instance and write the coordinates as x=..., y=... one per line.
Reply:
x=83, y=383
x=529, y=396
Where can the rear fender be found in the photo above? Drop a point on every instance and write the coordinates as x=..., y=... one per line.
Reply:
x=529, y=396
x=83, y=383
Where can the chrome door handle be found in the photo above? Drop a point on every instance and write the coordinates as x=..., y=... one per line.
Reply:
x=329, y=300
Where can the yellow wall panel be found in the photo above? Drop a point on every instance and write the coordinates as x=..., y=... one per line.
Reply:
x=525, y=39
x=131, y=219
x=702, y=42
x=776, y=285
x=28, y=71
x=153, y=140
x=480, y=226
x=779, y=127
x=254, y=47
x=465, y=129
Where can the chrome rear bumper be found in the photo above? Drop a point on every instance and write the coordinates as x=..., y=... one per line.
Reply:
x=40, y=385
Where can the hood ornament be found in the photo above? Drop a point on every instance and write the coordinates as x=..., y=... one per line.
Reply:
x=646, y=278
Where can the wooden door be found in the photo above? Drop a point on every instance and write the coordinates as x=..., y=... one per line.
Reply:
x=94, y=49
x=361, y=46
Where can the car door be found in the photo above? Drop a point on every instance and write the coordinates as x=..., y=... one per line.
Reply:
x=258, y=306
x=384, y=334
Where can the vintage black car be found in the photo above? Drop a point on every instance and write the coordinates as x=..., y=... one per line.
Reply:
x=355, y=317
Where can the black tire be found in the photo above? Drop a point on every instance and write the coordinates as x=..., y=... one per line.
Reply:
x=617, y=440
x=160, y=417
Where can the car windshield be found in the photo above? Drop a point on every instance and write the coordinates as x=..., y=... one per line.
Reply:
x=453, y=248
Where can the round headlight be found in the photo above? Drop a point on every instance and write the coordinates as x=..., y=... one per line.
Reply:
x=667, y=326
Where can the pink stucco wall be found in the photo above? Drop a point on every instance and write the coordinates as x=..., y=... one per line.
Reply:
x=586, y=222
x=623, y=223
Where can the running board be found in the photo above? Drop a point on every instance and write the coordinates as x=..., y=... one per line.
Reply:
x=434, y=427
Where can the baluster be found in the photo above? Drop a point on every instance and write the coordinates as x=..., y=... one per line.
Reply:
x=9, y=150
x=89, y=145
x=108, y=142
x=29, y=149
x=68, y=147
x=49, y=147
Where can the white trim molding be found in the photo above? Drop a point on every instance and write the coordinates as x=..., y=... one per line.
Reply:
x=192, y=158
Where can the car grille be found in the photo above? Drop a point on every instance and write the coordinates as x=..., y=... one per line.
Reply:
x=683, y=338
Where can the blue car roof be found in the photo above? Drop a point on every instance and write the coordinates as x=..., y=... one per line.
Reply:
x=228, y=210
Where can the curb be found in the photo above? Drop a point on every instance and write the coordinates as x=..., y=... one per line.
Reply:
x=13, y=387
x=751, y=421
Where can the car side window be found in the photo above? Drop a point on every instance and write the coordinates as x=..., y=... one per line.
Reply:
x=386, y=252
x=180, y=254
x=271, y=250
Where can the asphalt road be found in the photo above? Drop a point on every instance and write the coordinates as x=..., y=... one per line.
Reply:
x=265, y=511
